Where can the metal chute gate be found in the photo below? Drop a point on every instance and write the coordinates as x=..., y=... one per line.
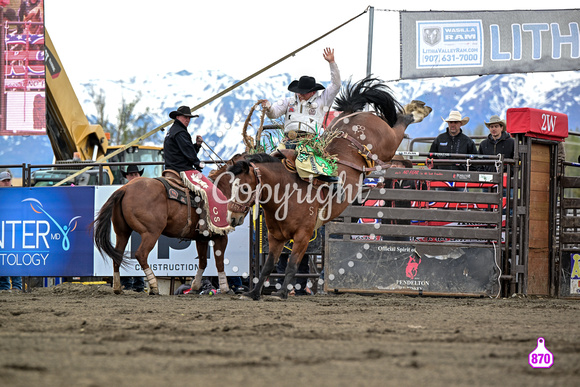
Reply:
x=368, y=249
x=512, y=231
x=446, y=240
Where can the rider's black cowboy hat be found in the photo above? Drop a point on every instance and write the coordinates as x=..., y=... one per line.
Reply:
x=305, y=85
x=132, y=169
x=181, y=111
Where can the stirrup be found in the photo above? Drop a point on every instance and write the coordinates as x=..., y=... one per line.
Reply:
x=328, y=179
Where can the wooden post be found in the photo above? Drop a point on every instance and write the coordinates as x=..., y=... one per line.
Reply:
x=539, y=210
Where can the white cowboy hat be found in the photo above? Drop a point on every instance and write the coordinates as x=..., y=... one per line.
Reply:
x=495, y=120
x=456, y=116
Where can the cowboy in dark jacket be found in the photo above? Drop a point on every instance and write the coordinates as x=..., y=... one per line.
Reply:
x=453, y=141
x=179, y=150
x=498, y=142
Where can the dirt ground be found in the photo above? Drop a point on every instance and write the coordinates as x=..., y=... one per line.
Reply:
x=84, y=335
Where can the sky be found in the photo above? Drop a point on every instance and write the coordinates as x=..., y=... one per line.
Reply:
x=119, y=39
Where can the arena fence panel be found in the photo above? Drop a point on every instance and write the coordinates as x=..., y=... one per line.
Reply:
x=443, y=238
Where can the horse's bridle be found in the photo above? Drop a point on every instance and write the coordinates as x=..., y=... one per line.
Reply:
x=235, y=206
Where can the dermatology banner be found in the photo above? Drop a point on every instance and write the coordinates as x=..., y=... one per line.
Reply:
x=46, y=232
x=439, y=44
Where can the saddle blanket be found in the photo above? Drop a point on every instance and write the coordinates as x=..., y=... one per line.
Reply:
x=217, y=206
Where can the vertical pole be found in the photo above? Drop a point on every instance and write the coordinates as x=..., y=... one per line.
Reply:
x=370, y=45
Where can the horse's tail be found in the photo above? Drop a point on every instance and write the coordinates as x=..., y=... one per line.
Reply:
x=373, y=91
x=102, y=227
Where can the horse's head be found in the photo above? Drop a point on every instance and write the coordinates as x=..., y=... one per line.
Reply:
x=246, y=186
x=243, y=191
x=222, y=178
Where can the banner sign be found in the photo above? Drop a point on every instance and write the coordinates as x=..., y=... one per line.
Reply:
x=46, y=232
x=439, y=44
x=387, y=266
x=23, y=72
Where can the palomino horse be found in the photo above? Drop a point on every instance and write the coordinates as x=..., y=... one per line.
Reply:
x=293, y=208
x=142, y=205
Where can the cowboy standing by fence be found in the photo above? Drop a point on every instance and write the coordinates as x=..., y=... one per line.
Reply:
x=497, y=142
x=137, y=283
x=453, y=141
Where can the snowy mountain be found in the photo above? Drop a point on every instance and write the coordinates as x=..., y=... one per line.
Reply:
x=221, y=121
x=481, y=97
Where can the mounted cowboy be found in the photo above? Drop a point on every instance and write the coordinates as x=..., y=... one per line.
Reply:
x=305, y=113
x=182, y=163
x=178, y=149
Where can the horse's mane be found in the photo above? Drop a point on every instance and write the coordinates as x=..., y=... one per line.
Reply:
x=243, y=166
x=216, y=172
x=373, y=91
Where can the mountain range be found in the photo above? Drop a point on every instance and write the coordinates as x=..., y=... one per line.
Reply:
x=220, y=122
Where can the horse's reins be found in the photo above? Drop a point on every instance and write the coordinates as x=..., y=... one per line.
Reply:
x=363, y=151
x=214, y=152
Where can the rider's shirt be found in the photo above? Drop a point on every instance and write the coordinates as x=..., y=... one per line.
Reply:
x=179, y=151
x=308, y=116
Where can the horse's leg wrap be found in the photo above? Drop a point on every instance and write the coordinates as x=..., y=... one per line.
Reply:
x=153, y=288
x=117, y=283
x=196, y=283
x=223, y=280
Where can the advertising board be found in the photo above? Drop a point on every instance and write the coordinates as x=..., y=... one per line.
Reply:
x=46, y=231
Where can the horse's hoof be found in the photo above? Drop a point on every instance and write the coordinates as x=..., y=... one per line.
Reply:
x=279, y=295
x=153, y=292
x=117, y=291
x=249, y=296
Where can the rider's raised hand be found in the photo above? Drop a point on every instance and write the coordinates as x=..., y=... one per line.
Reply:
x=328, y=54
x=266, y=104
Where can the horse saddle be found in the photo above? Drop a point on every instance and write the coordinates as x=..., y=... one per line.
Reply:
x=193, y=192
x=175, y=188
